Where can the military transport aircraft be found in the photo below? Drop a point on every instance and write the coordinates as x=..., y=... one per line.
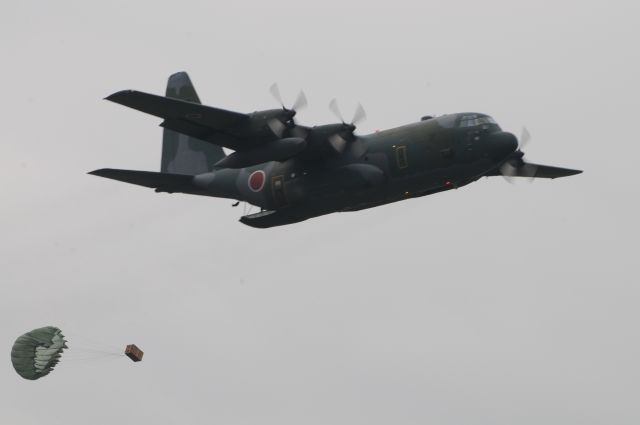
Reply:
x=295, y=172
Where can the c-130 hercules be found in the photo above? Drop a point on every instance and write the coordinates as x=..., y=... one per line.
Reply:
x=294, y=172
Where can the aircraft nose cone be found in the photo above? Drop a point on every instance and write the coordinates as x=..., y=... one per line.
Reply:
x=502, y=144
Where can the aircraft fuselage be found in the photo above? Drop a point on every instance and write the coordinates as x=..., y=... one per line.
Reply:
x=414, y=160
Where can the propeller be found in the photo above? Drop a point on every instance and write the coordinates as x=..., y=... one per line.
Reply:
x=515, y=165
x=337, y=140
x=275, y=92
x=333, y=106
x=358, y=116
x=300, y=103
x=524, y=139
x=276, y=125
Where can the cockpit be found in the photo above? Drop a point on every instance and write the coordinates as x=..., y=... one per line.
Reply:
x=468, y=120
x=473, y=120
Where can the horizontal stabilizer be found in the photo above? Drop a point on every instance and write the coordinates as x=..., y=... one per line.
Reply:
x=176, y=110
x=162, y=182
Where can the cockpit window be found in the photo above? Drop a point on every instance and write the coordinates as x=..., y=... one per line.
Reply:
x=447, y=121
x=474, y=120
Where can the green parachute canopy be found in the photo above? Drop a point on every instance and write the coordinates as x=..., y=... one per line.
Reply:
x=36, y=353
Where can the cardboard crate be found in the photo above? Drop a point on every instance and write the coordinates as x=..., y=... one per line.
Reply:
x=134, y=353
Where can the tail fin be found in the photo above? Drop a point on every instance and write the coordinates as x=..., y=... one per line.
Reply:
x=183, y=154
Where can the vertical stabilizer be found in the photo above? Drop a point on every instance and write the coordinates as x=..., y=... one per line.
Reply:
x=183, y=154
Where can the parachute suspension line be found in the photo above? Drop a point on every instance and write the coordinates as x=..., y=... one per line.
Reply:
x=84, y=343
x=73, y=362
x=82, y=357
x=83, y=353
x=91, y=351
x=78, y=343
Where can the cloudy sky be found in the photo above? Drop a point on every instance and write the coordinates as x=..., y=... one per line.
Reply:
x=494, y=304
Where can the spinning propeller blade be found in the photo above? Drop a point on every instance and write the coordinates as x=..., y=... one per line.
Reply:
x=275, y=92
x=333, y=106
x=358, y=116
x=516, y=166
x=338, y=143
x=300, y=103
x=525, y=137
x=277, y=126
x=340, y=140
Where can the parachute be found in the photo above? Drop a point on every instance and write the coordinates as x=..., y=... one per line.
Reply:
x=36, y=353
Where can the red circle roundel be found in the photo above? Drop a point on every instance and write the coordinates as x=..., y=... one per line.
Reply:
x=256, y=181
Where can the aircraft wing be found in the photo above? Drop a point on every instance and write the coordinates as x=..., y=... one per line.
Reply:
x=519, y=168
x=549, y=172
x=193, y=119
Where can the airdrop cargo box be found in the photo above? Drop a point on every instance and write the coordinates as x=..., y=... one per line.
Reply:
x=134, y=353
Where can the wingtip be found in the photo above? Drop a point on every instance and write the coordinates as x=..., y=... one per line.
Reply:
x=566, y=172
x=99, y=172
x=114, y=97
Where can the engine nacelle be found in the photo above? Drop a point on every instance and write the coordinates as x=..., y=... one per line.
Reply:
x=326, y=141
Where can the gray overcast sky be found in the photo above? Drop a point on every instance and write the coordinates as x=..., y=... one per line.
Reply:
x=494, y=304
